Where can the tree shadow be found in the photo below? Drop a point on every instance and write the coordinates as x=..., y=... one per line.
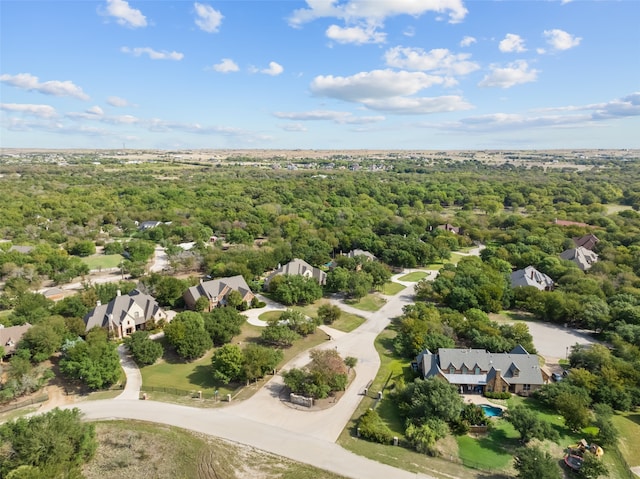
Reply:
x=635, y=417
x=202, y=376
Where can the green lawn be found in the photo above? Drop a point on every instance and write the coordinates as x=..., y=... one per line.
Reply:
x=347, y=322
x=456, y=257
x=371, y=302
x=628, y=425
x=391, y=288
x=270, y=315
x=103, y=261
x=414, y=276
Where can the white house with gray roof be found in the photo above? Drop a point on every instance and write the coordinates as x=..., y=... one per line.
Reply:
x=298, y=267
x=479, y=371
x=530, y=276
x=125, y=314
x=581, y=256
x=216, y=291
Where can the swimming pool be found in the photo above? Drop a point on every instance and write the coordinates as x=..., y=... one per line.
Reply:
x=491, y=411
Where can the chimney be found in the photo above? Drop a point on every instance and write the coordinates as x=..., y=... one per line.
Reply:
x=531, y=273
x=118, y=293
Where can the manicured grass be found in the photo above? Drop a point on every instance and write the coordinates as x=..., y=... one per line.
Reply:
x=415, y=276
x=347, y=322
x=613, y=209
x=391, y=288
x=103, y=261
x=486, y=452
x=270, y=316
x=456, y=257
x=434, y=266
x=5, y=314
x=371, y=302
x=628, y=425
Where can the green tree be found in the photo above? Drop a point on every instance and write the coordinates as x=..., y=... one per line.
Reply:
x=82, y=248
x=295, y=289
x=227, y=363
x=188, y=336
x=430, y=398
x=259, y=360
x=329, y=313
x=278, y=335
x=44, y=339
x=234, y=299
x=423, y=437
x=95, y=361
x=144, y=350
x=527, y=423
x=373, y=428
x=534, y=463
x=222, y=324
x=55, y=444
x=592, y=467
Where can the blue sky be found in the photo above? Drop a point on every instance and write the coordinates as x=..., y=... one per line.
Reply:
x=325, y=74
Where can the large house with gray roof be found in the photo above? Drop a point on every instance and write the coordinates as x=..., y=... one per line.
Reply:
x=125, y=314
x=581, y=256
x=216, y=292
x=298, y=267
x=530, y=276
x=479, y=371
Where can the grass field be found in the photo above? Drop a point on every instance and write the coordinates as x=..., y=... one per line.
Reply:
x=628, y=425
x=371, y=303
x=613, y=209
x=347, y=322
x=103, y=261
x=415, y=276
x=391, y=288
x=151, y=451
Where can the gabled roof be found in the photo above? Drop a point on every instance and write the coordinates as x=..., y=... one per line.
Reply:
x=588, y=241
x=300, y=268
x=530, y=276
x=116, y=310
x=583, y=257
x=449, y=227
x=11, y=336
x=515, y=367
x=216, y=287
x=360, y=252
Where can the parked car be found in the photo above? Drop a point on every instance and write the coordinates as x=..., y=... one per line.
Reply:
x=557, y=377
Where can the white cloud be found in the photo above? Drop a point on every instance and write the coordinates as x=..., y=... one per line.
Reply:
x=26, y=81
x=329, y=115
x=227, y=65
x=153, y=54
x=41, y=111
x=512, y=43
x=513, y=74
x=117, y=101
x=409, y=32
x=274, y=69
x=95, y=110
x=439, y=60
x=373, y=84
x=419, y=106
x=374, y=12
x=467, y=41
x=356, y=35
x=294, y=127
x=125, y=15
x=209, y=19
x=561, y=40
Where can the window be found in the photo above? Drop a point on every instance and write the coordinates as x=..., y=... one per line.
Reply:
x=526, y=387
x=465, y=370
x=477, y=370
x=452, y=370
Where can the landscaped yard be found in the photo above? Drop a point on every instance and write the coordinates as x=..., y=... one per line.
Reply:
x=414, y=276
x=180, y=377
x=103, y=261
x=371, y=302
x=391, y=288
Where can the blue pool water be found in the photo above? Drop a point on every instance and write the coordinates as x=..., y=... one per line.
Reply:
x=491, y=411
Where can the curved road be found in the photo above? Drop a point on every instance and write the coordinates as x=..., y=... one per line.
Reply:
x=263, y=421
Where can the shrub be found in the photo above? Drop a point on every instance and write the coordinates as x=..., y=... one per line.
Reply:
x=374, y=429
x=497, y=395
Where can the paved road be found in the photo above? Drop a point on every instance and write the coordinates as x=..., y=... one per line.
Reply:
x=226, y=424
